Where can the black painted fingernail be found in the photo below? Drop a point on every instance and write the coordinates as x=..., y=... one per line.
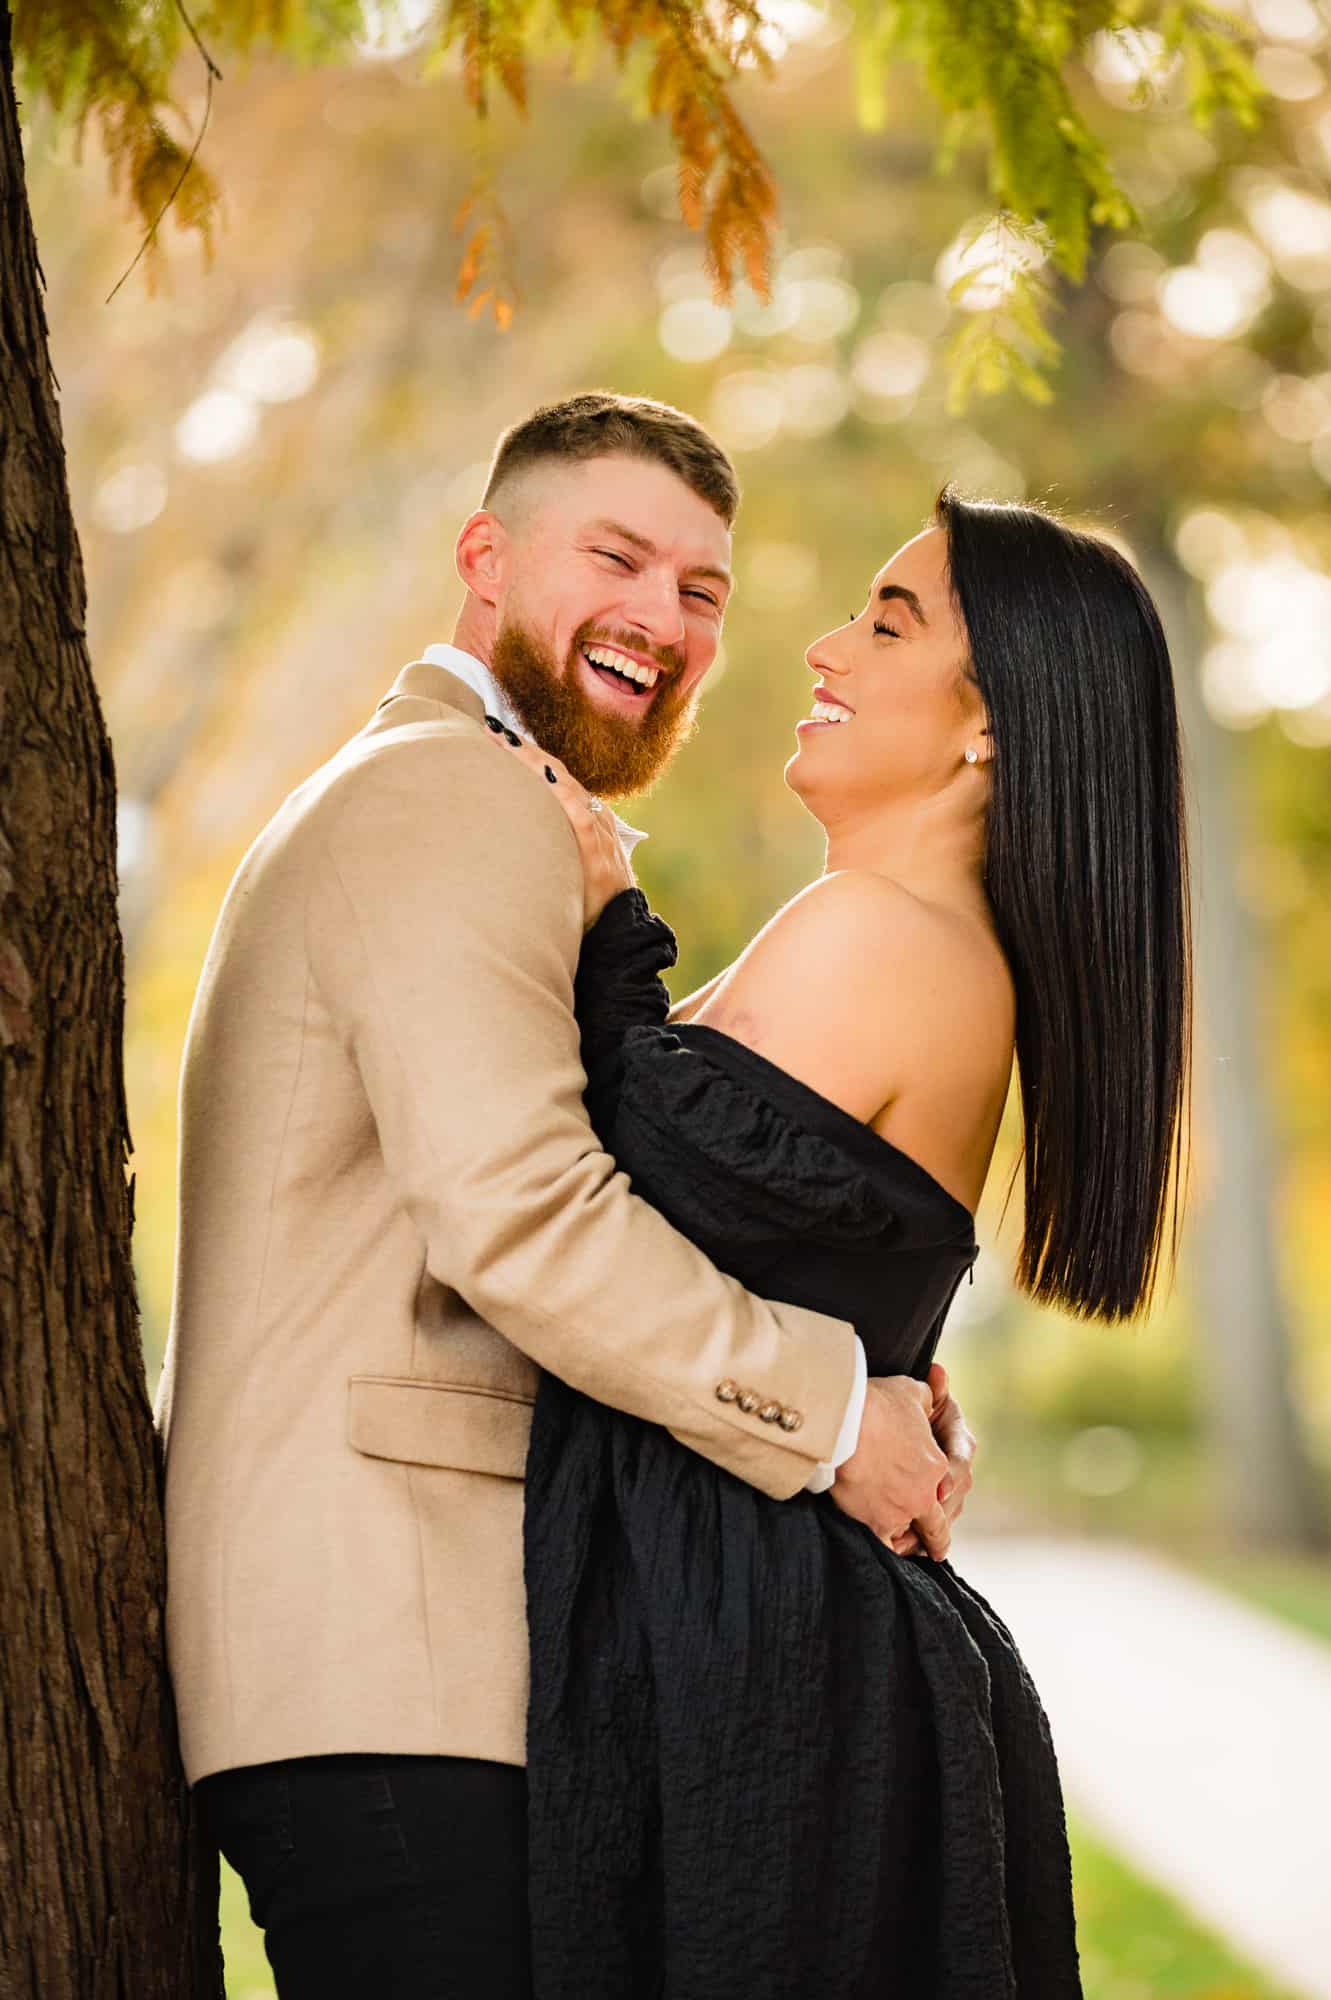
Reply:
x=514, y=740
x=551, y=776
x=493, y=722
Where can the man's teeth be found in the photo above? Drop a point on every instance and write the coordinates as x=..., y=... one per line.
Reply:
x=827, y=711
x=619, y=663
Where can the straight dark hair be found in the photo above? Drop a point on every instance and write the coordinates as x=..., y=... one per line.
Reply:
x=1086, y=872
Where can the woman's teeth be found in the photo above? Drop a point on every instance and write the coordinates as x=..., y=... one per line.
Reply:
x=827, y=711
x=619, y=663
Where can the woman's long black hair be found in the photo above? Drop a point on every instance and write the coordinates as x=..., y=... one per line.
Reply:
x=1086, y=872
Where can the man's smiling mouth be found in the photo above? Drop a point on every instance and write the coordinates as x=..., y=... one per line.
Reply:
x=617, y=670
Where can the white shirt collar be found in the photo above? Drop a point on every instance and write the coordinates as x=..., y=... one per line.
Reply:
x=478, y=678
x=481, y=681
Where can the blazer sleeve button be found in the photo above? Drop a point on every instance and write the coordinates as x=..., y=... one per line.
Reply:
x=748, y=1400
x=790, y=1420
x=727, y=1391
x=770, y=1412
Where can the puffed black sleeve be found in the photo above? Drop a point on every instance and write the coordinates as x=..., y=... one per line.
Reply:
x=619, y=987
x=783, y=1190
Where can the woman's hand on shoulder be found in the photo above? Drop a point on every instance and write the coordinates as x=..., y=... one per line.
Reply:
x=606, y=868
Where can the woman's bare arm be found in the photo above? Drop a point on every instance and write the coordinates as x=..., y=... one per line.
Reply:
x=684, y=1010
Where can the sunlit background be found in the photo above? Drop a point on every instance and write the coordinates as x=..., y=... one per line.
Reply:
x=270, y=460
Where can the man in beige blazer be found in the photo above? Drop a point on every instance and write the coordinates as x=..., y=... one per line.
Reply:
x=393, y=1213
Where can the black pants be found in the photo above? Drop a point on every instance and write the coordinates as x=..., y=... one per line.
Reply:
x=400, y=1877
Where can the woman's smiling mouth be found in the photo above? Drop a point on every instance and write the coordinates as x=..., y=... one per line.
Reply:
x=829, y=711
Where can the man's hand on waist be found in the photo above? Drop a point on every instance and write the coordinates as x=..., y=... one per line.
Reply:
x=891, y=1481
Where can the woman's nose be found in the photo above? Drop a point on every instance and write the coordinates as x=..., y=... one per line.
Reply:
x=820, y=657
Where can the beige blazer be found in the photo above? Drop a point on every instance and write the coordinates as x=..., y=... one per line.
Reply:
x=393, y=1212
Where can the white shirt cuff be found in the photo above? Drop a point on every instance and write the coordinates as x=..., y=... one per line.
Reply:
x=824, y=1472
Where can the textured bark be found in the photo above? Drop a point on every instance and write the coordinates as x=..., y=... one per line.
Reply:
x=104, y=1888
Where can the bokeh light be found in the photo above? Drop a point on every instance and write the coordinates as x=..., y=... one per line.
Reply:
x=272, y=361
x=1101, y=1460
x=1130, y=272
x=1222, y=291
x=130, y=497
x=1275, y=612
x=1298, y=408
x=994, y=256
x=1141, y=345
x=815, y=398
x=746, y=408
x=825, y=305
x=1207, y=540
x=1289, y=73
x=391, y=29
x=217, y=425
x=694, y=329
x=1131, y=66
x=1289, y=21
x=1293, y=223
x=779, y=575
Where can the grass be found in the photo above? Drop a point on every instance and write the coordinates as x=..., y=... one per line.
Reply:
x=248, y=1973
x=1136, y=1944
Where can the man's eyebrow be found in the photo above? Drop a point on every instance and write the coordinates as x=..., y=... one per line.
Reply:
x=629, y=535
x=888, y=591
x=648, y=548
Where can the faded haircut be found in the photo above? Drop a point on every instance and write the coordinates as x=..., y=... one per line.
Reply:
x=600, y=423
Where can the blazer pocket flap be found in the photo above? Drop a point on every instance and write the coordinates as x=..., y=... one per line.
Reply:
x=439, y=1423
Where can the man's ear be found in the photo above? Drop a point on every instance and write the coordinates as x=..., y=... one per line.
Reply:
x=480, y=554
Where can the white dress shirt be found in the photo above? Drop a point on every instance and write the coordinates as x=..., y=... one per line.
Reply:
x=482, y=682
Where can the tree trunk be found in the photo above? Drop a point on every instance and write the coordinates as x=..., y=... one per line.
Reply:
x=107, y=1892
x=1268, y=1495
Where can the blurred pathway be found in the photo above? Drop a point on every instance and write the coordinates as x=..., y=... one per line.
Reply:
x=1192, y=1732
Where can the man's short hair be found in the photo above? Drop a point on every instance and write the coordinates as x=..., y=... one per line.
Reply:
x=600, y=423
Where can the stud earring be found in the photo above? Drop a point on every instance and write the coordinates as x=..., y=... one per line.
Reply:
x=972, y=754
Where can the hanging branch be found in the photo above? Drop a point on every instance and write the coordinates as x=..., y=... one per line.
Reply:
x=214, y=75
x=999, y=70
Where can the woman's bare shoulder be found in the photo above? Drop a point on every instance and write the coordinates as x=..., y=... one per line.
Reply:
x=851, y=986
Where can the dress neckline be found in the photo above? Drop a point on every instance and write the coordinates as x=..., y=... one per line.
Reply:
x=819, y=1112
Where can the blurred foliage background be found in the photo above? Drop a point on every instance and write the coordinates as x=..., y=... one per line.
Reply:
x=270, y=459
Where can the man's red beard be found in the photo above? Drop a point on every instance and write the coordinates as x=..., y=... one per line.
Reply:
x=610, y=754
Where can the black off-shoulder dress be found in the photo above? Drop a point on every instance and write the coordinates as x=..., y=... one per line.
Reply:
x=768, y=1759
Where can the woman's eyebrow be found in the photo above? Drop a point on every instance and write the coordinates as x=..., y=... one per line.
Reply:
x=888, y=591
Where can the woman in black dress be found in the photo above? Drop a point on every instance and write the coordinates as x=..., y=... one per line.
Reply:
x=775, y=1749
